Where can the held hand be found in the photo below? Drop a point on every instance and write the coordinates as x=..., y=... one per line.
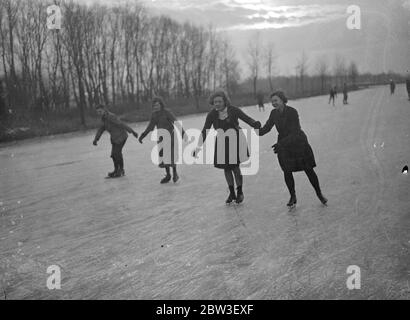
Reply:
x=276, y=147
x=95, y=142
x=258, y=125
x=195, y=152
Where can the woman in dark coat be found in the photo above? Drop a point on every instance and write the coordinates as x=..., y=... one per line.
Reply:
x=293, y=149
x=224, y=118
x=163, y=118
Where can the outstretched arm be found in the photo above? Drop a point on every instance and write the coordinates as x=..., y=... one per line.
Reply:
x=245, y=118
x=174, y=120
x=204, y=132
x=151, y=125
x=98, y=134
x=268, y=125
x=121, y=124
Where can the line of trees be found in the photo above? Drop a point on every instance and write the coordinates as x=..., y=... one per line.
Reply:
x=112, y=55
x=262, y=60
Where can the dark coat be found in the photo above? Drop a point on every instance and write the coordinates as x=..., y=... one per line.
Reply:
x=164, y=119
x=117, y=129
x=294, y=152
x=232, y=122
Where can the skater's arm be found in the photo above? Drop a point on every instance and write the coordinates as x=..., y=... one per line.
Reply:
x=268, y=125
x=174, y=121
x=204, y=132
x=150, y=127
x=245, y=118
x=100, y=131
x=121, y=124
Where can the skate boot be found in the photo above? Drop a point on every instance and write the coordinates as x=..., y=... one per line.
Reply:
x=292, y=201
x=322, y=199
x=111, y=174
x=175, y=177
x=231, y=196
x=120, y=173
x=166, y=179
x=239, y=195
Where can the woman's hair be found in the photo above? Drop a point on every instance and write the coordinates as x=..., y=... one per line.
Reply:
x=281, y=95
x=159, y=100
x=223, y=95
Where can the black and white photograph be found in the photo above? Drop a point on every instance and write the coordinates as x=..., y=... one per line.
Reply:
x=190, y=150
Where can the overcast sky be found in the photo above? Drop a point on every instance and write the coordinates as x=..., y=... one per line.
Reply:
x=317, y=27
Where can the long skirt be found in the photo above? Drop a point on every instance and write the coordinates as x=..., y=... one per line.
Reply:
x=227, y=155
x=168, y=151
x=297, y=156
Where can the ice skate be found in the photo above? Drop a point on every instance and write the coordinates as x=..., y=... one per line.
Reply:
x=166, y=179
x=239, y=197
x=292, y=202
x=322, y=199
x=175, y=178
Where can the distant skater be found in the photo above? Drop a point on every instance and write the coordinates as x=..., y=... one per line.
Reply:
x=293, y=149
x=345, y=93
x=408, y=86
x=392, y=86
x=332, y=95
x=259, y=99
x=163, y=118
x=118, y=132
x=224, y=117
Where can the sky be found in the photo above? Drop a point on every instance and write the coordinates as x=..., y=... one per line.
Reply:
x=316, y=27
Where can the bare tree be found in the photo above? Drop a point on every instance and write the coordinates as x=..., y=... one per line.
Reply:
x=301, y=69
x=353, y=72
x=270, y=59
x=322, y=69
x=254, y=55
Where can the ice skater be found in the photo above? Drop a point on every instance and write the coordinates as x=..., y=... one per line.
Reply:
x=293, y=149
x=392, y=86
x=345, y=93
x=408, y=86
x=224, y=117
x=259, y=100
x=118, y=132
x=163, y=118
x=332, y=94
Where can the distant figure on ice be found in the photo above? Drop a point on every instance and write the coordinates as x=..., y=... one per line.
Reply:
x=224, y=117
x=392, y=86
x=118, y=132
x=259, y=99
x=345, y=95
x=332, y=95
x=163, y=118
x=293, y=149
x=408, y=86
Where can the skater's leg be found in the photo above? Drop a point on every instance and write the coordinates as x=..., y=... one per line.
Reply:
x=239, y=182
x=290, y=182
x=175, y=176
x=314, y=180
x=230, y=181
x=121, y=159
x=114, y=159
x=238, y=176
x=167, y=177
